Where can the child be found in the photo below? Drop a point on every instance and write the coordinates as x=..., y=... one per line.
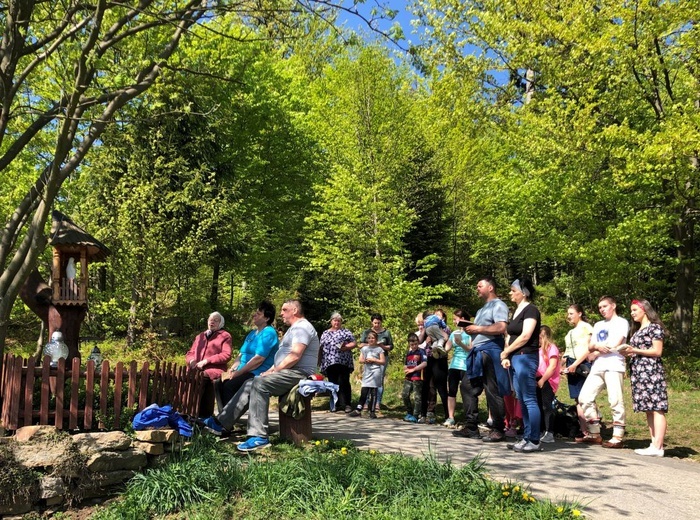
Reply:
x=547, y=380
x=416, y=361
x=373, y=358
x=435, y=328
x=460, y=344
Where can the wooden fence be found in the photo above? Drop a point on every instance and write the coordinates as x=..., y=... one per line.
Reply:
x=84, y=397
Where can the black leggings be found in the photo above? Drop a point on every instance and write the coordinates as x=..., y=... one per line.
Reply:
x=225, y=390
x=454, y=378
x=368, y=395
x=434, y=383
x=340, y=375
x=545, y=396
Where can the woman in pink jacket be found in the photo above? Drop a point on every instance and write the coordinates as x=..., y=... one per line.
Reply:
x=210, y=353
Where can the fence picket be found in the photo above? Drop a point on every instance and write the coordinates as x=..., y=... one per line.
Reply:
x=131, y=397
x=89, y=394
x=104, y=387
x=74, y=386
x=143, y=391
x=118, y=379
x=29, y=392
x=60, y=380
x=45, y=390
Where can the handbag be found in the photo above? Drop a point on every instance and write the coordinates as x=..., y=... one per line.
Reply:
x=583, y=369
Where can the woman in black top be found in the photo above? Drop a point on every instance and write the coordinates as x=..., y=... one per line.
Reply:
x=521, y=355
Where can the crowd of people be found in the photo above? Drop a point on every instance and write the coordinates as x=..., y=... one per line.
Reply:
x=509, y=356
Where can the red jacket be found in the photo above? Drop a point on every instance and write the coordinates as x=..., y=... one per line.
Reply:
x=216, y=349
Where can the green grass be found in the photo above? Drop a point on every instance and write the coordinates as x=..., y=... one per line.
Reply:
x=325, y=479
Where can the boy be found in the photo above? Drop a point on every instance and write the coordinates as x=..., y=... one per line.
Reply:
x=416, y=361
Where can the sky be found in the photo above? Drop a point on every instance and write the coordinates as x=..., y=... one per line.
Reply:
x=403, y=17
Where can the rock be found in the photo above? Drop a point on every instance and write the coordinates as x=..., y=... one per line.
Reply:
x=15, y=508
x=157, y=435
x=54, y=501
x=35, y=433
x=105, y=461
x=51, y=487
x=44, y=453
x=110, y=478
x=102, y=441
x=151, y=448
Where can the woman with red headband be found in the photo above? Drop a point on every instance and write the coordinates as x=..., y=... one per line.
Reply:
x=648, y=377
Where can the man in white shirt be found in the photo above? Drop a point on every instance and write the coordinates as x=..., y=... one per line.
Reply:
x=295, y=360
x=607, y=372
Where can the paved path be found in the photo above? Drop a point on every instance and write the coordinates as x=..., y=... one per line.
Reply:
x=611, y=484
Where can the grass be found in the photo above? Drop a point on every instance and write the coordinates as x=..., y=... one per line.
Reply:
x=325, y=479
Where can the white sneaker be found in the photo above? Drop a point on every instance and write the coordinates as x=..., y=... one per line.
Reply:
x=547, y=437
x=528, y=448
x=517, y=446
x=651, y=451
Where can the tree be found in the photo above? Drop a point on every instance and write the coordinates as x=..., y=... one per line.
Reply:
x=596, y=174
x=365, y=118
x=66, y=70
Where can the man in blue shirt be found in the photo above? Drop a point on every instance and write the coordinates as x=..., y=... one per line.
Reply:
x=484, y=370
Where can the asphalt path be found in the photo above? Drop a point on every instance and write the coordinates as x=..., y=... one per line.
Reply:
x=609, y=484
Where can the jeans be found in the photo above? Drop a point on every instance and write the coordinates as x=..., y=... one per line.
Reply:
x=524, y=367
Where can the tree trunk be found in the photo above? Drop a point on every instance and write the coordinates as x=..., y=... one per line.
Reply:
x=131, y=328
x=214, y=295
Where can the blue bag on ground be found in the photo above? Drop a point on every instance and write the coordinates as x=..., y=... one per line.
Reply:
x=155, y=416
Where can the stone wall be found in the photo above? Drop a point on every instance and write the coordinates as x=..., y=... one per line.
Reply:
x=44, y=468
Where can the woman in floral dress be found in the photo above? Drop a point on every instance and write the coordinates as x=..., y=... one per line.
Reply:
x=336, y=351
x=648, y=377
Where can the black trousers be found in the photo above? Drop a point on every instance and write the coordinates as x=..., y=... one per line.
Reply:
x=434, y=384
x=471, y=389
x=340, y=375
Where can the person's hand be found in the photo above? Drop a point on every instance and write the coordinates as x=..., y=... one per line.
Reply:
x=625, y=350
x=407, y=370
x=505, y=363
x=428, y=340
x=473, y=329
x=193, y=363
x=604, y=349
x=202, y=364
x=540, y=383
x=269, y=371
x=504, y=355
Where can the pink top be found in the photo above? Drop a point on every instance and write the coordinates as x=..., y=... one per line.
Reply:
x=216, y=348
x=552, y=352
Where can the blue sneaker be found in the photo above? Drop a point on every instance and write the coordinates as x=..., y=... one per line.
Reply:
x=410, y=418
x=253, y=443
x=213, y=426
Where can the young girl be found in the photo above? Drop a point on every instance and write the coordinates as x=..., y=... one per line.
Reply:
x=547, y=380
x=459, y=343
x=373, y=358
x=649, y=394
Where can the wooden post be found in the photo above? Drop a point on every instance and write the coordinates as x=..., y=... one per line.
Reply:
x=74, y=386
x=29, y=392
x=89, y=394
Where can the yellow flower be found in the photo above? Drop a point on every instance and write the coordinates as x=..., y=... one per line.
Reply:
x=343, y=451
x=575, y=512
x=505, y=487
x=532, y=499
x=516, y=488
x=325, y=441
x=372, y=452
x=506, y=493
x=318, y=443
x=560, y=509
x=525, y=496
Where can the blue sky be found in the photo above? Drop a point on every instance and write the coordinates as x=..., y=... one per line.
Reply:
x=403, y=17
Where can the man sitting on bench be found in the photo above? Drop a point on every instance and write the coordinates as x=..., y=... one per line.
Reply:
x=295, y=360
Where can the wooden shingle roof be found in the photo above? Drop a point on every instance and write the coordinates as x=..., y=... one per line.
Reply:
x=65, y=232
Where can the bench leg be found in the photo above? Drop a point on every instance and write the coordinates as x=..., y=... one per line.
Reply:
x=298, y=430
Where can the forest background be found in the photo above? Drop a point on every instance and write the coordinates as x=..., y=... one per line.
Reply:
x=262, y=150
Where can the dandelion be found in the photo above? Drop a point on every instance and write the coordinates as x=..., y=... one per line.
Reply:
x=505, y=487
x=560, y=509
x=372, y=452
x=318, y=443
x=525, y=496
x=506, y=493
x=575, y=512
x=516, y=489
x=343, y=451
x=325, y=441
x=532, y=499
